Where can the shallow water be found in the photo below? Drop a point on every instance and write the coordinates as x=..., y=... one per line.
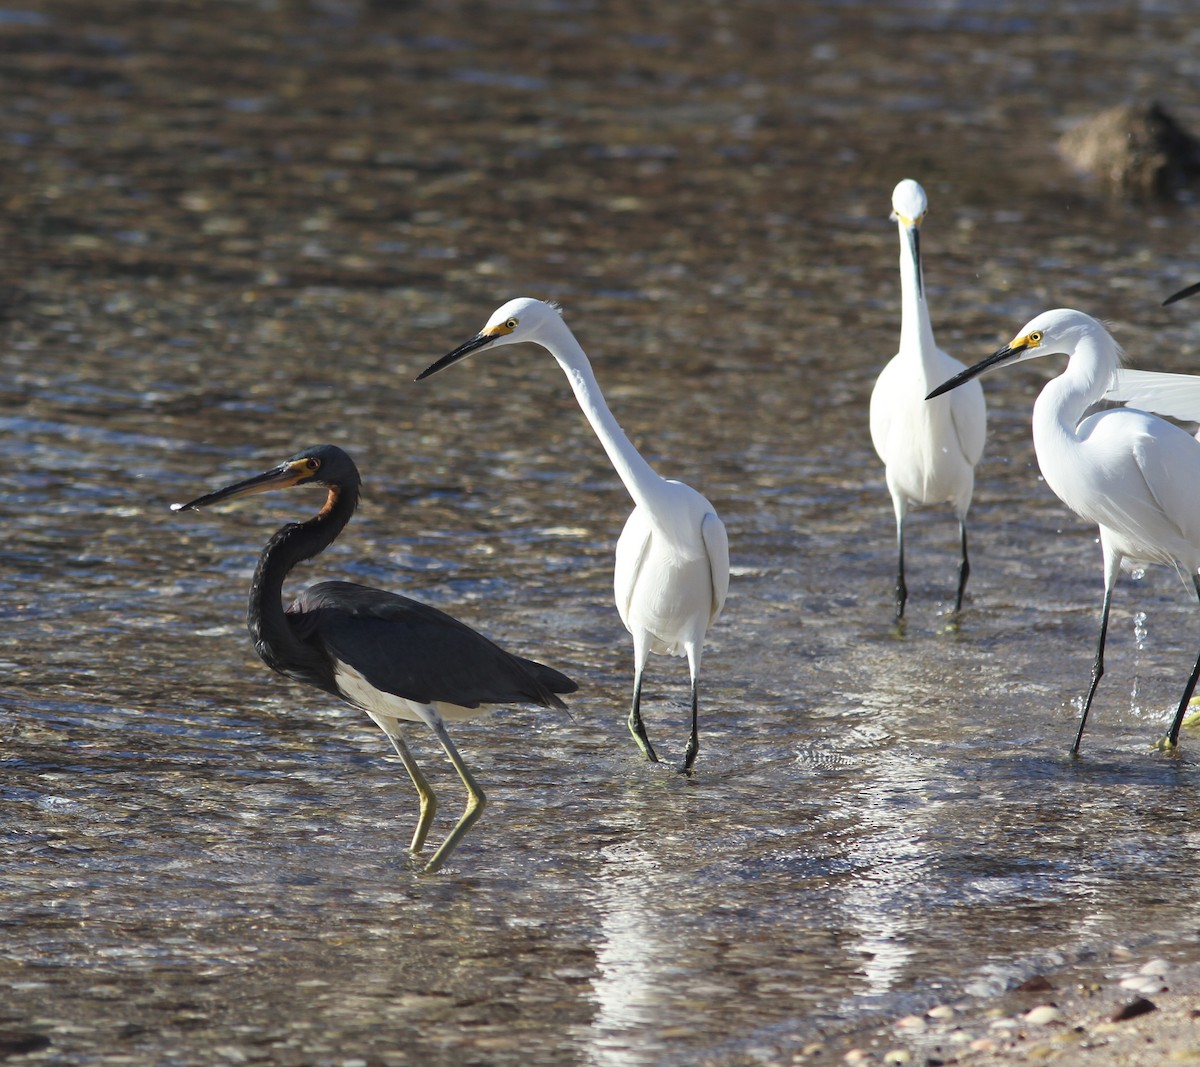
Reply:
x=230, y=237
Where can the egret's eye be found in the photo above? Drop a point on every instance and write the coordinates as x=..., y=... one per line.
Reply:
x=512, y=323
x=1035, y=338
x=312, y=463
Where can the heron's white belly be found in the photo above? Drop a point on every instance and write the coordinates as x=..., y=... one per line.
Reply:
x=378, y=704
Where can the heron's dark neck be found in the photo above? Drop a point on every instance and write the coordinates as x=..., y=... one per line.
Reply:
x=297, y=541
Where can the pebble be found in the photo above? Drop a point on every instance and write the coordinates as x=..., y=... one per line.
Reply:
x=1140, y=983
x=856, y=1055
x=941, y=1012
x=898, y=1055
x=1043, y=1014
x=1158, y=967
x=1136, y=1007
x=983, y=1044
x=911, y=1023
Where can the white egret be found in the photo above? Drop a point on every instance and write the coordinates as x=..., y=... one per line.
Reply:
x=1132, y=473
x=929, y=449
x=672, y=561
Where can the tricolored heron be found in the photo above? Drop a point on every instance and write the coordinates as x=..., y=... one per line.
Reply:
x=672, y=565
x=394, y=658
x=1129, y=471
x=929, y=449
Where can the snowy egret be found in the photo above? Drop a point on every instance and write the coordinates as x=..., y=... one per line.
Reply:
x=1127, y=470
x=394, y=658
x=672, y=564
x=1183, y=294
x=929, y=449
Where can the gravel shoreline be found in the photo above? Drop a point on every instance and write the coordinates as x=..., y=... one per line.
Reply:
x=1128, y=1010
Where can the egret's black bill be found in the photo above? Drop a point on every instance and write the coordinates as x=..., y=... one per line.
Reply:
x=282, y=477
x=461, y=352
x=1007, y=352
x=1183, y=294
x=914, y=246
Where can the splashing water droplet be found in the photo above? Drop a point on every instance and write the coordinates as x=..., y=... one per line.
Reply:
x=1140, y=630
x=1139, y=641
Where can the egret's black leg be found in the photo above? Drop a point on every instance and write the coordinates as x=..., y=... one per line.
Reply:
x=964, y=568
x=636, y=726
x=901, y=588
x=693, y=745
x=1172, y=738
x=1097, y=667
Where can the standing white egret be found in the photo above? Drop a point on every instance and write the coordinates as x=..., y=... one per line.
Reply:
x=672, y=565
x=929, y=449
x=1132, y=473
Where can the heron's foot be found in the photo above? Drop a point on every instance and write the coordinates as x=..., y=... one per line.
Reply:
x=1166, y=745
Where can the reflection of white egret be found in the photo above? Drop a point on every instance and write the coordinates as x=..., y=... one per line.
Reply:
x=1133, y=474
x=929, y=450
x=672, y=567
x=893, y=858
x=631, y=955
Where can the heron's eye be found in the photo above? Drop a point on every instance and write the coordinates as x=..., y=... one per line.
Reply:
x=512, y=323
x=312, y=463
x=1035, y=338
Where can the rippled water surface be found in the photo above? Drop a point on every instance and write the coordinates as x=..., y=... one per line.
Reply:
x=231, y=230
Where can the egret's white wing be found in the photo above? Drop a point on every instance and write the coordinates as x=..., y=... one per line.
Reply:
x=716, y=543
x=1175, y=395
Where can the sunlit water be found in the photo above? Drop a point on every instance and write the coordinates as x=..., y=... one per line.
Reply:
x=228, y=238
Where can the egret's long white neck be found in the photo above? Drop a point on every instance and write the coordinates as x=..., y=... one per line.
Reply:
x=1063, y=402
x=916, y=331
x=643, y=483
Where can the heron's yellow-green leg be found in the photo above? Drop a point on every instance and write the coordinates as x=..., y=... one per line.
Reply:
x=476, y=801
x=424, y=791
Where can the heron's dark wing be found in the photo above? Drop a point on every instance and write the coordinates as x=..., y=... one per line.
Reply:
x=410, y=649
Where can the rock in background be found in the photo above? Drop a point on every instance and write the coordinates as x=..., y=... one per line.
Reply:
x=1135, y=152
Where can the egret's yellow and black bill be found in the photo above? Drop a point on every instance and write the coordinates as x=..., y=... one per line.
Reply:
x=1009, y=353
x=462, y=351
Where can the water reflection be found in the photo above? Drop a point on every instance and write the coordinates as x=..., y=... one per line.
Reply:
x=633, y=955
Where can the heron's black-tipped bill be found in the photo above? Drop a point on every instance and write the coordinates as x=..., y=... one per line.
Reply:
x=461, y=352
x=284, y=476
x=1183, y=294
x=1006, y=353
